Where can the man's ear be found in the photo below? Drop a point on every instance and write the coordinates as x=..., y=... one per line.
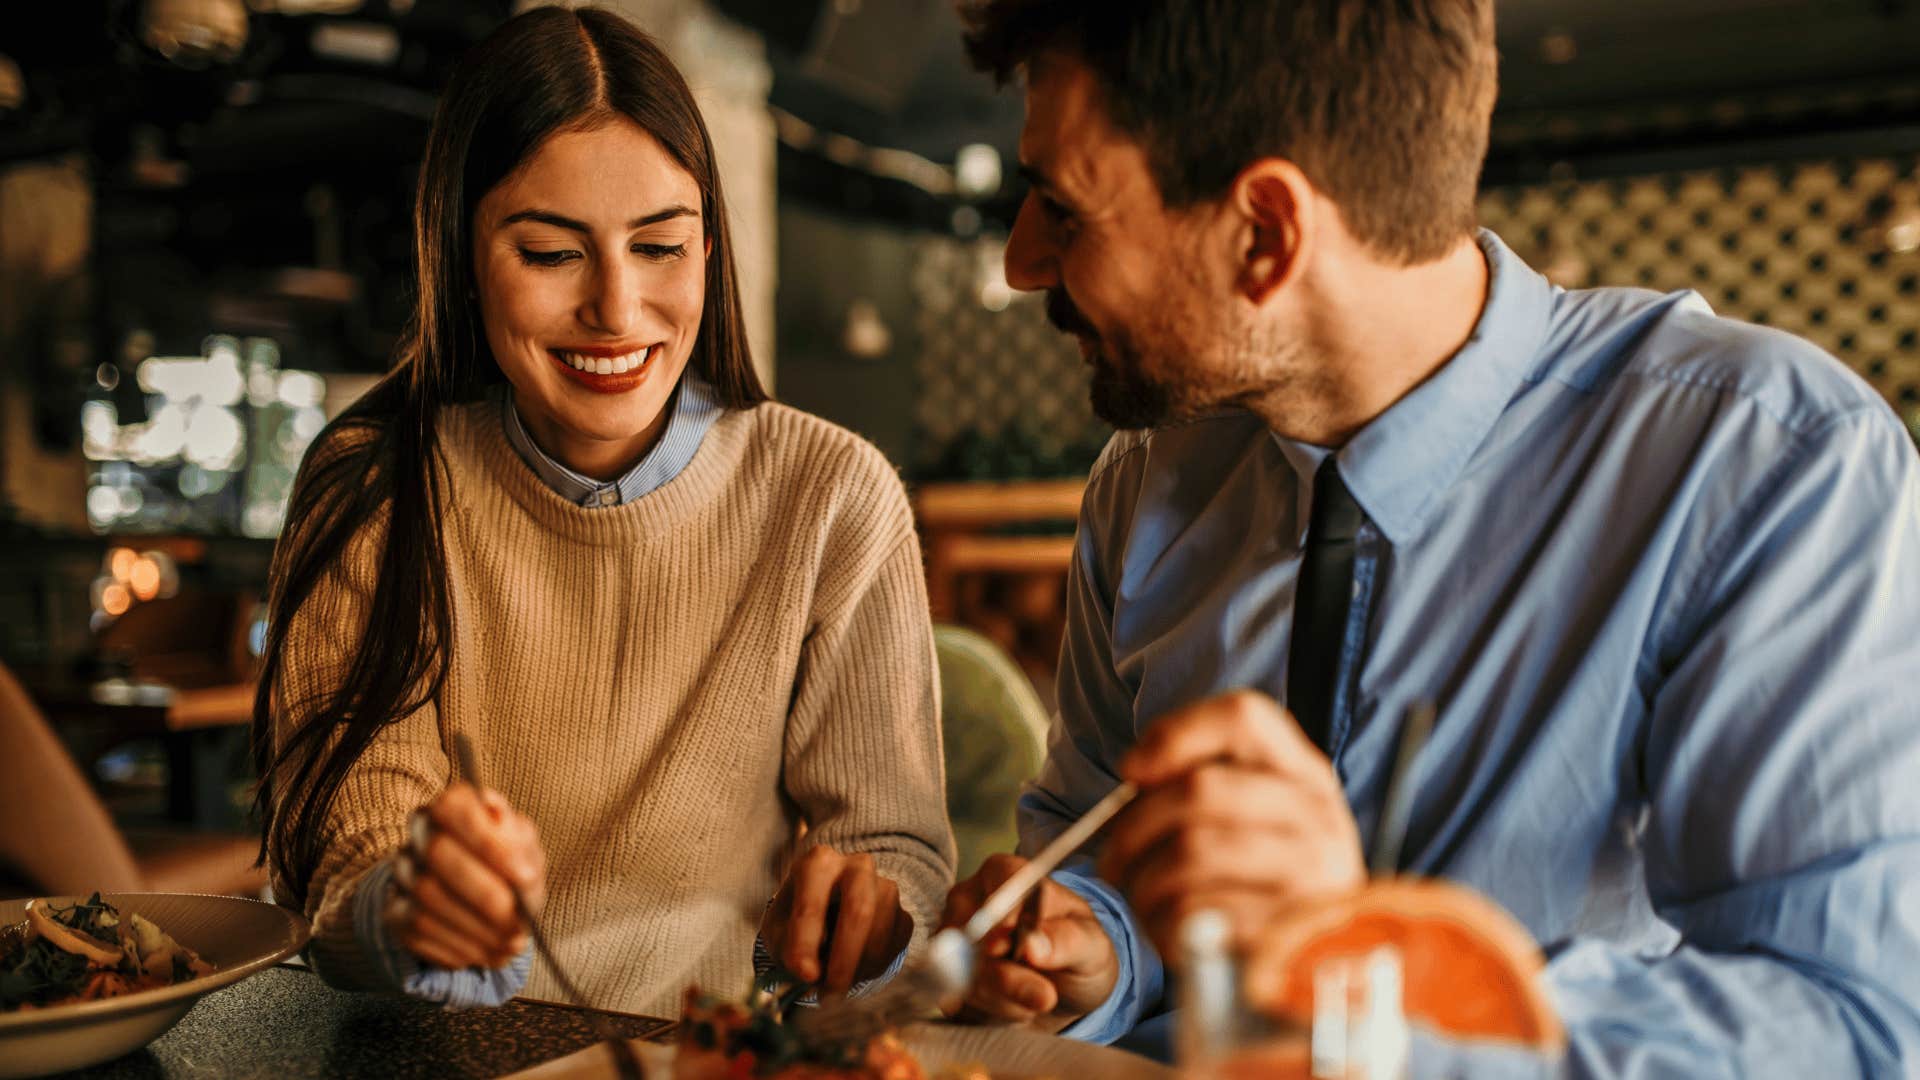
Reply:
x=1275, y=204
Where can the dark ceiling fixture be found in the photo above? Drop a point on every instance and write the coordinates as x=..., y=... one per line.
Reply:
x=92, y=69
x=872, y=51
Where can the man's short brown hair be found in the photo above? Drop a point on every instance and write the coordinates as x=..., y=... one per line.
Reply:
x=1384, y=104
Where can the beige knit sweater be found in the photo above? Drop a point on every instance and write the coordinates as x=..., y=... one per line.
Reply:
x=670, y=689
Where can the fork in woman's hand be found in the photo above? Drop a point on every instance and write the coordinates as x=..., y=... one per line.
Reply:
x=625, y=1060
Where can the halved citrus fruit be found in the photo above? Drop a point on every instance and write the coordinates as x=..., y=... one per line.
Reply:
x=1469, y=969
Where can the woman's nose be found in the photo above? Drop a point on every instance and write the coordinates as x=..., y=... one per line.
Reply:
x=613, y=306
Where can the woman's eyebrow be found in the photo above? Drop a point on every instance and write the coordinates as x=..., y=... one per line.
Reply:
x=548, y=217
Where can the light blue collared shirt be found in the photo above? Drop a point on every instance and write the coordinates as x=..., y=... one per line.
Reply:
x=1661, y=573
x=694, y=408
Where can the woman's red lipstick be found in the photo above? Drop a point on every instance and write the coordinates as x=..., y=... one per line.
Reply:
x=612, y=383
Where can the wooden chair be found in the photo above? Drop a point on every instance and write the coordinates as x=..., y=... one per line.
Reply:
x=988, y=571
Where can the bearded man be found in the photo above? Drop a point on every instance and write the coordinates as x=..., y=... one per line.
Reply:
x=1659, y=570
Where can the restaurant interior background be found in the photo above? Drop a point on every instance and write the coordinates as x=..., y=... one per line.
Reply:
x=204, y=256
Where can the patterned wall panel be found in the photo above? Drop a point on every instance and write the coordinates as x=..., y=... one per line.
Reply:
x=1002, y=393
x=1829, y=250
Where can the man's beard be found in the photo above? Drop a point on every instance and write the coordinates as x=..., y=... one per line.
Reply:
x=1123, y=394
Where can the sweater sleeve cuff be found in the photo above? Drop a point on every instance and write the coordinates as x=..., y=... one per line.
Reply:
x=1137, y=989
x=401, y=971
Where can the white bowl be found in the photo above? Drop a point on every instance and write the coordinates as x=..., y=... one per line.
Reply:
x=239, y=937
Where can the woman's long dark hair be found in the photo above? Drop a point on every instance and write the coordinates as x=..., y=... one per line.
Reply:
x=547, y=71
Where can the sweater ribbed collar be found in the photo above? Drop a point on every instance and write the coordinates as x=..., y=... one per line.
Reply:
x=475, y=436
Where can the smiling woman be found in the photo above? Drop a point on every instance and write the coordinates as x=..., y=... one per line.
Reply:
x=682, y=626
x=591, y=310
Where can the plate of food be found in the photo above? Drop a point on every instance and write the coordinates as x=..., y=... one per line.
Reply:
x=87, y=979
x=722, y=1040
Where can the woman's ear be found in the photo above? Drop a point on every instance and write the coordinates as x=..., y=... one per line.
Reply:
x=1275, y=203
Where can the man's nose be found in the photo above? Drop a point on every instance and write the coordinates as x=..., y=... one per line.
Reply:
x=1031, y=263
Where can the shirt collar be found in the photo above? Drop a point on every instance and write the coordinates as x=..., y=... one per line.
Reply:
x=691, y=411
x=1400, y=465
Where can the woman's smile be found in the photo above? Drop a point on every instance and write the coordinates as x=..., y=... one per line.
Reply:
x=605, y=369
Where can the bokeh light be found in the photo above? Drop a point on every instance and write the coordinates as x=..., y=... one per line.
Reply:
x=144, y=579
x=115, y=600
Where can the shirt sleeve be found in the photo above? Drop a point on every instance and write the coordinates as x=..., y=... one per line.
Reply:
x=763, y=963
x=1782, y=766
x=863, y=752
x=402, y=971
x=1092, y=728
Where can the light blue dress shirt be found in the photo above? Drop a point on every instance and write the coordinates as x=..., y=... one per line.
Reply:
x=1661, y=573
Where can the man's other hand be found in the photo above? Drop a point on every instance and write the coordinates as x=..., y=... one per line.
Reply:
x=1064, y=966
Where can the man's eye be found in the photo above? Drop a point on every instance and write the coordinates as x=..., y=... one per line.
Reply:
x=547, y=258
x=1064, y=223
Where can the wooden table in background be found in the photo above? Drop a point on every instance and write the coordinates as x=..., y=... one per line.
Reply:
x=997, y=561
x=194, y=725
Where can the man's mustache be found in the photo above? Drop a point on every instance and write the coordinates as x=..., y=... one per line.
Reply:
x=1064, y=316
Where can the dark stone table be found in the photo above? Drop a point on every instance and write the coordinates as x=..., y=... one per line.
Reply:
x=285, y=1022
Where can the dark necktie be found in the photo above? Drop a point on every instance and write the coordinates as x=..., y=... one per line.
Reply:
x=1320, y=604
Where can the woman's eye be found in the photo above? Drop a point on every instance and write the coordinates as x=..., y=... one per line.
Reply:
x=547, y=258
x=661, y=251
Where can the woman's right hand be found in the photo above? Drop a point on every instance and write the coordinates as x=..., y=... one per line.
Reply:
x=468, y=851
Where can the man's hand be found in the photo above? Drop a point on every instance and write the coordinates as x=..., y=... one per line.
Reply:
x=1066, y=965
x=1238, y=811
x=836, y=921
x=469, y=851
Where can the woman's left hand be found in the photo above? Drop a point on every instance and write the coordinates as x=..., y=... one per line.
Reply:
x=836, y=921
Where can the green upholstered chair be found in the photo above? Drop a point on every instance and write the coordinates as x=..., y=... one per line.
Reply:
x=996, y=734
